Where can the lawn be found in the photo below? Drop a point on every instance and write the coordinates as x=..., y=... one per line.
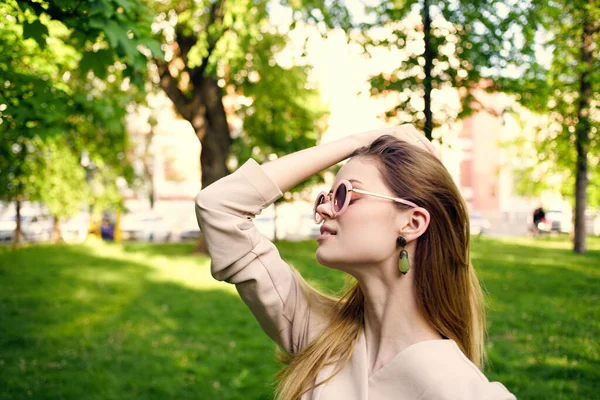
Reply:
x=106, y=321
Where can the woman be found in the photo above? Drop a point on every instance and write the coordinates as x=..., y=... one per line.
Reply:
x=412, y=325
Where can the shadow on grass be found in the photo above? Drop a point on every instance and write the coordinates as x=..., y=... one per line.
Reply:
x=76, y=322
x=543, y=317
x=160, y=249
x=76, y=325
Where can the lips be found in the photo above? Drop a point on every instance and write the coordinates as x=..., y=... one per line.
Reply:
x=327, y=230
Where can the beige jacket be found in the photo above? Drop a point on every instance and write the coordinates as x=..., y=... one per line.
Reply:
x=430, y=370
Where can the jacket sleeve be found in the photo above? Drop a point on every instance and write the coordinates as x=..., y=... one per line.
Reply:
x=474, y=389
x=446, y=373
x=242, y=256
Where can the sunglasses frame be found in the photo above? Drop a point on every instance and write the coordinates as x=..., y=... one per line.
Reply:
x=348, y=185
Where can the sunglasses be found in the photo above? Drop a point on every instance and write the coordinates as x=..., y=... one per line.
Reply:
x=340, y=198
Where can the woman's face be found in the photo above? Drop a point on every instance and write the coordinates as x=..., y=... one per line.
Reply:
x=366, y=232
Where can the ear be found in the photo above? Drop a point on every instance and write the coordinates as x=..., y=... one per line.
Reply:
x=414, y=223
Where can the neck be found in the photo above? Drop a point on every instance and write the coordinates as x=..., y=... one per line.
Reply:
x=393, y=320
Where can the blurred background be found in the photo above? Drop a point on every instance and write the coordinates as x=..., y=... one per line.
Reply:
x=106, y=106
x=115, y=113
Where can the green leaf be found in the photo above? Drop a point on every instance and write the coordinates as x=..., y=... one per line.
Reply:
x=97, y=61
x=153, y=46
x=102, y=7
x=128, y=5
x=110, y=29
x=37, y=31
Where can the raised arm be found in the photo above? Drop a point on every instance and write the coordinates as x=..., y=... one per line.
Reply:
x=290, y=170
x=242, y=256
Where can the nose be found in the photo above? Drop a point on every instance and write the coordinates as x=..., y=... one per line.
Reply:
x=325, y=209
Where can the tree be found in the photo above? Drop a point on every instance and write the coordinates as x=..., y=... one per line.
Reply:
x=146, y=159
x=565, y=90
x=54, y=57
x=274, y=126
x=217, y=47
x=17, y=166
x=31, y=106
x=62, y=186
x=541, y=164
x=103, y=31
x=444, y=45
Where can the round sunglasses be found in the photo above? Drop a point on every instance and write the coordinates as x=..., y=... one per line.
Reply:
x=341, y=199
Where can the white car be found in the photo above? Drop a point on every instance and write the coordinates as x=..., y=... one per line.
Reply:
x=35, y=228
x=76, y=228
x=265, y=224
x=478, y=224
x=145, y=228
x=7, y=228
x=187, y=229
x=556, y=221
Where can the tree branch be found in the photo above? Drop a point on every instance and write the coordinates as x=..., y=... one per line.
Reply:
x=215, y=16
x=185, y=43
x=51, y=9
x=169, y=85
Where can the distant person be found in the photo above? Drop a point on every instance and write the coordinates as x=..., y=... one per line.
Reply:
x=107, y=230
x=412, y=325
x=538, y=216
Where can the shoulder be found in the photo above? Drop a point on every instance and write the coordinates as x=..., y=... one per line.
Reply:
x=446, y=373
x=467, y=390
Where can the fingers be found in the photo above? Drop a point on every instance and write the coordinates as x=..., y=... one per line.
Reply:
x=411, y=135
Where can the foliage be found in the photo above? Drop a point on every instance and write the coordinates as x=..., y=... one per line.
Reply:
x=104, y=190
x=52, y=106
x=19, y=165
x=470, y=41
x=119, y=321
x=275, y=125
x=272, y=106
x=550, y=87
x=543, y=163
x=62, y=186
x=102, y=31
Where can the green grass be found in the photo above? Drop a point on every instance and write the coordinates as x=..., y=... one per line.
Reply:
x=105, y=321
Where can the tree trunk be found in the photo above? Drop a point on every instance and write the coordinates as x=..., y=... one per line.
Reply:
x=151, y=190
x=582, y=130
x=18, y=240
x=214, y=136
x=147, y=170
x=206, y=113
x=55, y=236
x=427, y=69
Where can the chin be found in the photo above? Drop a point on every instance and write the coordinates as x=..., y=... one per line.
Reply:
x=319, y=258
x=324, y=261
x=328, y=261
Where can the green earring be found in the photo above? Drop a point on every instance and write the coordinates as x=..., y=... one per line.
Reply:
x=404, y=264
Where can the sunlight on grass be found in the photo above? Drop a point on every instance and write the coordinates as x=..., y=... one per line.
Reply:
x=106, y=321
x=183, y=270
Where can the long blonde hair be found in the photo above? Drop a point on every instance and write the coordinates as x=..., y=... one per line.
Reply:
x=447, y=289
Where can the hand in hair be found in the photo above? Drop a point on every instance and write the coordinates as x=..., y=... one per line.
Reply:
x=294, y=168
x=406, y=132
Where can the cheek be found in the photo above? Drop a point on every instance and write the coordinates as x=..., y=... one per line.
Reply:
x=368, y=243
x=366, y=222
x=370, y=237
